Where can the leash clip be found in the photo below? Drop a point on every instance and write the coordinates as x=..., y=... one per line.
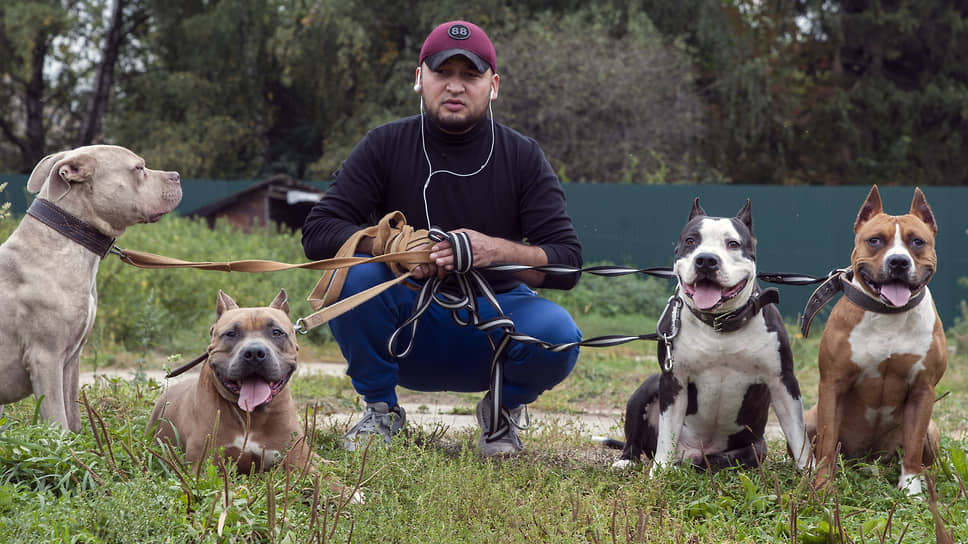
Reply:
x=300, y=326
x=674, y=305
x=115, y=250
x=838, y=271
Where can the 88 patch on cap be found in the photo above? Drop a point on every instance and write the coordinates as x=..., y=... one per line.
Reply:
x=459, y=38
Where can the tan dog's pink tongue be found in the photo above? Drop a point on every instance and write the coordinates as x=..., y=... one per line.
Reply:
x=896, y=293
x=707, y=295
x=255, y=392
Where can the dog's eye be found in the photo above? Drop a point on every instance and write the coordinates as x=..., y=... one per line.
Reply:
x=917, y=242
x=690, y=241
x=230, y=333
x=875, y=241
x=278, y=332
x=733, y=244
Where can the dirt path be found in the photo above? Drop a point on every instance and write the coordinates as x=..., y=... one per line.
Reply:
x=431, y=410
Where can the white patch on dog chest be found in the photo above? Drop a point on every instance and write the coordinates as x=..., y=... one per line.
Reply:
x=252, y=447
x=877, y=337
x=875, y=416
x=722, y=366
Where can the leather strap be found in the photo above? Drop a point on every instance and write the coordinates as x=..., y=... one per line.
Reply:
x=840, y=281
x=391, y=235
x=737, y=319
x=75, y=229
x=393, y=240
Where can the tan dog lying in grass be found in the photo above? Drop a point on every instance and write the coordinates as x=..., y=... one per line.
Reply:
x=241, y=394
x=48, y=267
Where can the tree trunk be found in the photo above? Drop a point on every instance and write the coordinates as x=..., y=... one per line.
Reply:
x=32, y=145
x=110, y=52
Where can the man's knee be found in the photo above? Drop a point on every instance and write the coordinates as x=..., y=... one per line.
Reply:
x=363, y=276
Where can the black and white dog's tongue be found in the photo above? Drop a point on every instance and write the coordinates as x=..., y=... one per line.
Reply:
x=254, y=393
x=707, y=295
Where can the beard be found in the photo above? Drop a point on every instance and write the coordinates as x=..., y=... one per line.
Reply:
x=453, y=124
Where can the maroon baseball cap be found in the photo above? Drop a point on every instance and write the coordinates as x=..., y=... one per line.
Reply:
x=459, y=38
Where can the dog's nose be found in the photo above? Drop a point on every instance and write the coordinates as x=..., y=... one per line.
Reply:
x=255, y=354
x=898, y=264
x=173, y=177
x=706, y=262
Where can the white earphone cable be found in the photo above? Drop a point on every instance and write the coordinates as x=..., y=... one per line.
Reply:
x=430, y=166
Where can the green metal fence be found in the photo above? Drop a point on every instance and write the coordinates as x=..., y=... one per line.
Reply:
x=799, y=229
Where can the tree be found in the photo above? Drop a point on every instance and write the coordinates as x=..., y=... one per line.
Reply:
x=889, y=106
x=605, y=96
x=46, y=80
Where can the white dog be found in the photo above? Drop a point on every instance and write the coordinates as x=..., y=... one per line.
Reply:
x=48, y=267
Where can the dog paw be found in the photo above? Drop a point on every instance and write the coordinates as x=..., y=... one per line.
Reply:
x=910, y=484
x=622, y=464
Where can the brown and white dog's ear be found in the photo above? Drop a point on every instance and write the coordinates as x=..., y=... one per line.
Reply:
x=921, y=210
x=696, y=209
x=281, y=302
x=872, y=206
x=746, y=215
x=223, y=304
x=58, y=171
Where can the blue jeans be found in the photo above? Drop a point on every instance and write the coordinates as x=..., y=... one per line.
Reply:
x=445, y=355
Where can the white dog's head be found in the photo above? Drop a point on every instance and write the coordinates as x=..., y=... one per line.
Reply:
x=106, y=186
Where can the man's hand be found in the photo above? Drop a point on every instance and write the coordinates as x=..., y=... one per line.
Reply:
x=486, y=250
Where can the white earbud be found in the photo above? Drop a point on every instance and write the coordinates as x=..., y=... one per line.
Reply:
x=493, y=93
x=417, y=87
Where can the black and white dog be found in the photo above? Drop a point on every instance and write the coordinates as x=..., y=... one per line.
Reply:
x=727, y=358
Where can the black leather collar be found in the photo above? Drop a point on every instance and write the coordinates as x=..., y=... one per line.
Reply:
x=63, y=222
x=841, y=282
x=736, y=319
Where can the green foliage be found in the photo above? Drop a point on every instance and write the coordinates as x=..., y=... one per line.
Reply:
x=606, y=122
x=172, y=310
x=632, y=295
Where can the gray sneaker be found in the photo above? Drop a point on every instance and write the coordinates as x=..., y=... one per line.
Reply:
x=505, y=441
x=378, y=419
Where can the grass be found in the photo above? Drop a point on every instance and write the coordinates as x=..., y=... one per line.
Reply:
x=110, y=484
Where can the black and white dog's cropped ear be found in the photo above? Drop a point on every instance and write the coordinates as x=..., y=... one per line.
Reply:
x=746, y=215
x=696, y=209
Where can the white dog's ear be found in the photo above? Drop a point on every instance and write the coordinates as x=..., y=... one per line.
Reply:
x=58, y=171
x=42, y=171
x=223, y=304
x=281, y=302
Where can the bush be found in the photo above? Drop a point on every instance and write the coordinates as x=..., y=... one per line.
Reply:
x=614, y=296
x=173, y=309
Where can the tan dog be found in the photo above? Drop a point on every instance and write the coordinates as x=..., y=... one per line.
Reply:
x=48, y=288
x=883, y=352
x=241, y=393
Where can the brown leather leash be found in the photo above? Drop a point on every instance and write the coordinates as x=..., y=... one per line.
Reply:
x=393, y=244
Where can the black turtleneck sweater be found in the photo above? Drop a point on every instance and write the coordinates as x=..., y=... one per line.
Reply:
x=517, y=196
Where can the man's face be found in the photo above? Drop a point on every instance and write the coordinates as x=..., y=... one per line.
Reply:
x=456, y=95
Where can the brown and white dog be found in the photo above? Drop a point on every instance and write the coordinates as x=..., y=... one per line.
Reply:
x=48, y=267
x=241, y=395
x=883, y=348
